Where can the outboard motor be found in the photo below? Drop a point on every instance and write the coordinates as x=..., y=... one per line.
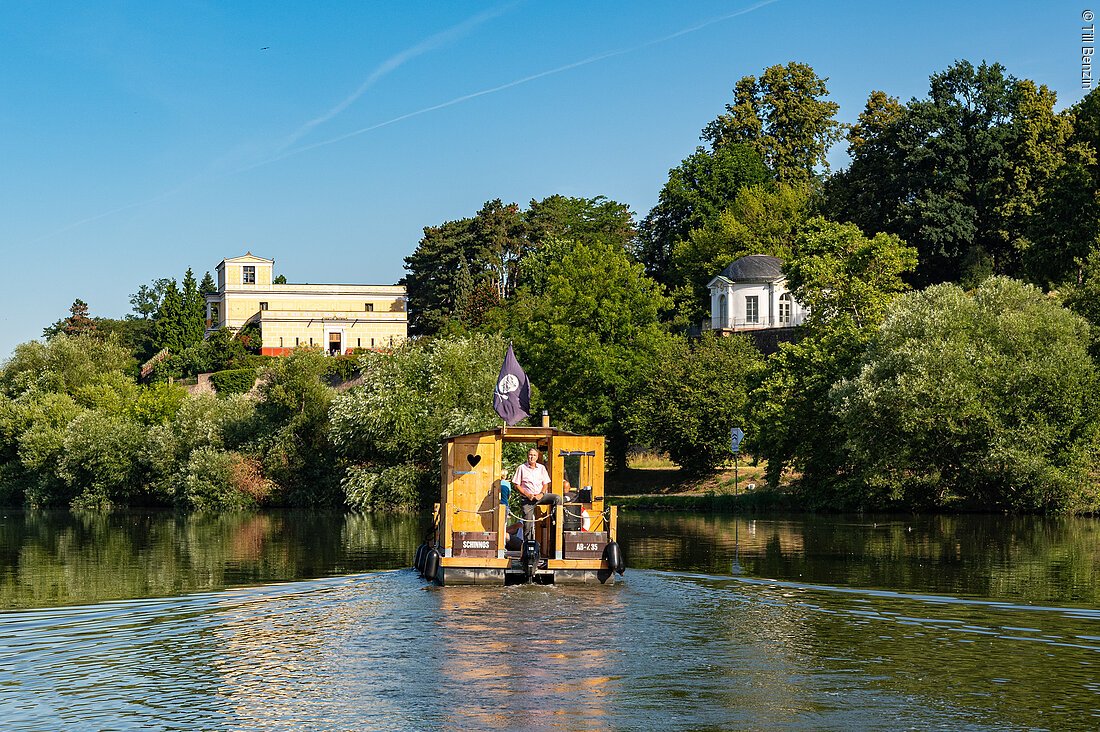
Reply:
x=614, y=556
x=530, y=558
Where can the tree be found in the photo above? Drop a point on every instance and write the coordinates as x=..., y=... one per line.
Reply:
x=579, y=219
x=785, y=117
x=168, y=328
x=294, y=404
x=691, y=396
x=193, y=311
x=279, y=280
x=696, y=193
x=147, y=299
x=985, y=399
x=456, y=265
x=387, y=431
x=78, y=322
x=209, y=287
x=760, y=220
x=585, y=325
x=1066, y=227
x=961, y=175
x=847, y=280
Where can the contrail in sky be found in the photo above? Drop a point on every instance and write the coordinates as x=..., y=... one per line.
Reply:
x=395, y=62
x=392, y=64
x=510, y=84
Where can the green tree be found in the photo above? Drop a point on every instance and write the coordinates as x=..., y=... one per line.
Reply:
x=697, y=191
x=691, y=396
x=146, y=301
x=458, y=265
x=193, y=316
x=760, y=220
x=585, y=325
x=960, y=175
x=785, y=117
x=847, y=280
x=209, y=287
x=985, y=399
x=294, y=404
x=388, y=430
x=168, y=328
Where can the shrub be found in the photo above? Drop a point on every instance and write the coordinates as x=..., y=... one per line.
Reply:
x=214, y=480
x=398, y=487
x=234, y=381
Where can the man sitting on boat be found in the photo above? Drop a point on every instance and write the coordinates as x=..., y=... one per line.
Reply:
x=532, y=482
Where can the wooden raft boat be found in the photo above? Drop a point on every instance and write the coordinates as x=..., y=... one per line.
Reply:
x=573, y=543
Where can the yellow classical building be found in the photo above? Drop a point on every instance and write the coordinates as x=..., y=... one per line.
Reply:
x=337, y=318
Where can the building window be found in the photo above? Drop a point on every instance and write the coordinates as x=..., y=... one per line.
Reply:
x=372, y=343
x=369, y=307
x=785, y=307
x=311, y=341
x=280, y=341
x=248, y=274
x=752, y=309
x=295, y=341
x=723, y=312
x=358, y=342
x=214, y=314
x=263, y=306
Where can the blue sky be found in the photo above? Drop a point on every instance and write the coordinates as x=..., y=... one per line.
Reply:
x=140, y=139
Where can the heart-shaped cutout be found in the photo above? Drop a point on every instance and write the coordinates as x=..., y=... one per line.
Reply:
x=473, y=460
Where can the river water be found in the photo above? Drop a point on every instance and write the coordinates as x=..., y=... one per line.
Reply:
x=290, y=621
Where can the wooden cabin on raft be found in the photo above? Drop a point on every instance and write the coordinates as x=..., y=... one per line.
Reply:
x=470, y=542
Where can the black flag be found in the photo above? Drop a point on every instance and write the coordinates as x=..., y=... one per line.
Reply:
x=512, y=397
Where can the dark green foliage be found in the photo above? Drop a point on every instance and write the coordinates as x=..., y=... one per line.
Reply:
x=847, y=280
x=342, y=368
x=784, y=116
x=279, y=280
x=234, y=381
x=294, y=404
x=208, y=286
x=759, y=220
x=462, y=269
x=691, y=396
x=388, y=429
x=147, y=300
x=959, y=175
x=194, y=311
x=585, y=324
x=697, y=191
x=983, y=400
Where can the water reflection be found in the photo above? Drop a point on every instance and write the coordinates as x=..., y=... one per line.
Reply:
x=1030, y=559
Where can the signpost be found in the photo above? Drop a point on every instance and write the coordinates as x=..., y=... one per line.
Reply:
x=736, y=435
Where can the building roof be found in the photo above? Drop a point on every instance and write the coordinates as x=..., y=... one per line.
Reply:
x=754, y=267
x=247, y=257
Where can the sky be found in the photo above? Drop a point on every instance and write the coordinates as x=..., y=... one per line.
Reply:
x=140, y=139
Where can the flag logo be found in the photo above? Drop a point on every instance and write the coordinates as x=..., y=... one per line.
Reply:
x=512, y=397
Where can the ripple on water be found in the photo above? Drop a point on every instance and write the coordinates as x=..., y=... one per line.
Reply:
x=664, y=650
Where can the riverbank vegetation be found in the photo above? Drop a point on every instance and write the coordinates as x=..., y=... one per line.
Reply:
x=951, y=271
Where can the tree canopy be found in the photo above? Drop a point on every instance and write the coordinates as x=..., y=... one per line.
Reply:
x=785, y=117
x=981, y=399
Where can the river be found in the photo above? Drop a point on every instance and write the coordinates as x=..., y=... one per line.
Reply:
x=289, y=621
